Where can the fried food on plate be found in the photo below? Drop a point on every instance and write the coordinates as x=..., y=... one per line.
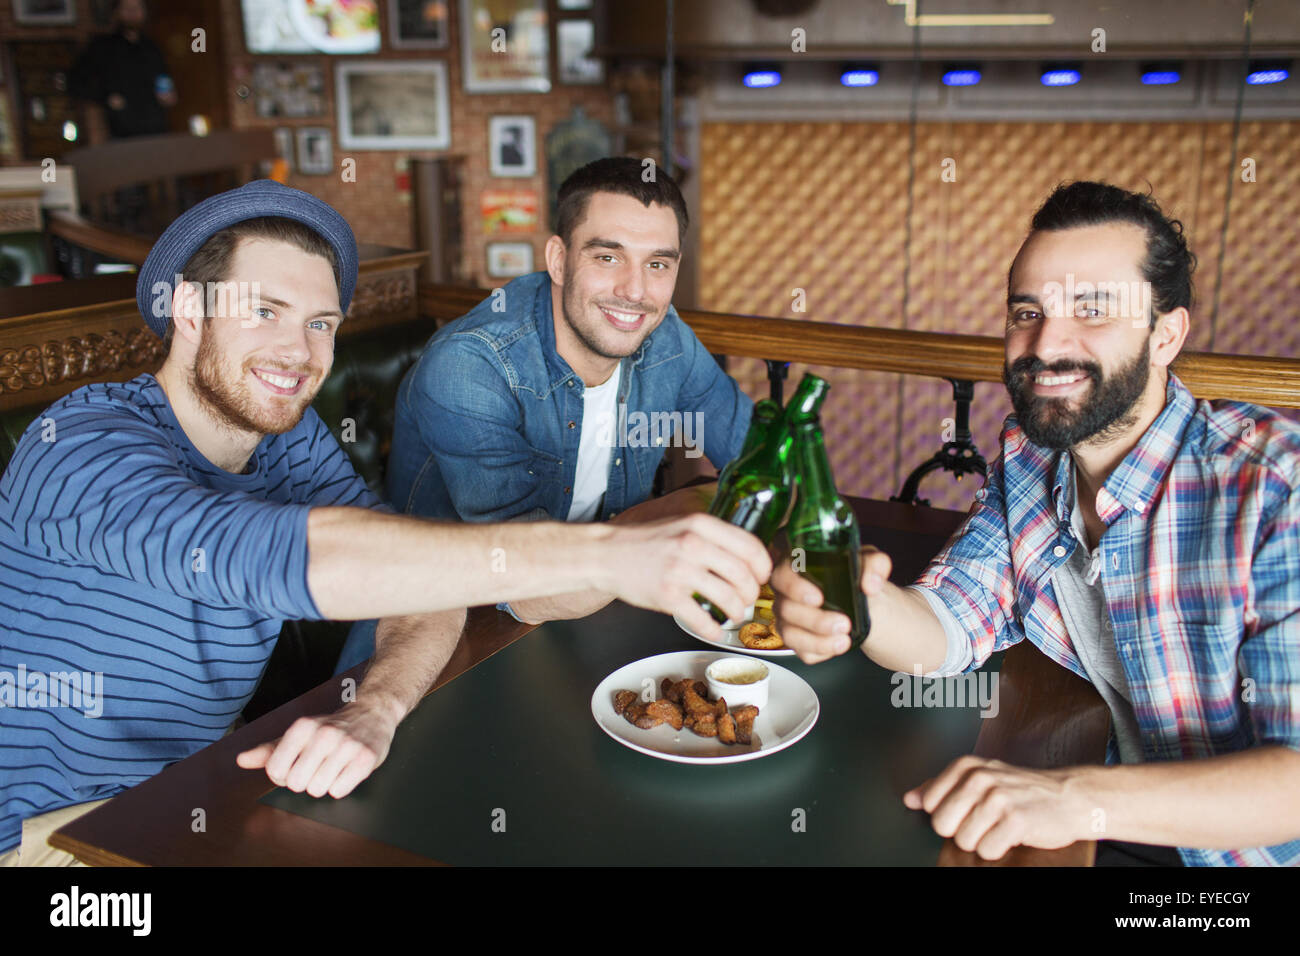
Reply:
x=623, y=700
x=744, y=717
x=761, y=636
x=726, y=729
x=685, y=704
x=666, y=711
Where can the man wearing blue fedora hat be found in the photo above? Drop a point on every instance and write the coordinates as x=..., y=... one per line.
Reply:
x=154, y=535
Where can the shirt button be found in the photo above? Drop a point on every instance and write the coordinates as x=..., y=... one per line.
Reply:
x=1129, y=651
x=567, y=489
x=1059, y=551
x=618, y=461
x=573, y=424
x=1114, y=560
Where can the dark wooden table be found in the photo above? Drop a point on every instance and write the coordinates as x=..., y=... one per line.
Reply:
x=1047, y=717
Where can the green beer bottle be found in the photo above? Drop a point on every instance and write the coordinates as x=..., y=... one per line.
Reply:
x=823, y=531
x=761, y=480
x=766, y=414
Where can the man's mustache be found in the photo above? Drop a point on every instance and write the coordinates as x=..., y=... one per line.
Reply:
x=1028, y=366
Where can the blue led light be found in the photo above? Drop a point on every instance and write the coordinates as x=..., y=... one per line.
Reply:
x=961, y=78
x=762, y=78
x=859, y=78
x=1060, y=77
x=1160, y=77
x=1264, y=77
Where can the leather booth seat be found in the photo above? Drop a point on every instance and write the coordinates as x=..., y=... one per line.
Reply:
x=356, y=402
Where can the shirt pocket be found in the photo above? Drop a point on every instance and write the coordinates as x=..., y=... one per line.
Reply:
x=544, y=466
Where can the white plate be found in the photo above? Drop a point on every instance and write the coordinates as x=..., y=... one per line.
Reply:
x=731, y=641
x=791, y=712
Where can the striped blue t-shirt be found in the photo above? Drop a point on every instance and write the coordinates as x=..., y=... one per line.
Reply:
x=141, y=589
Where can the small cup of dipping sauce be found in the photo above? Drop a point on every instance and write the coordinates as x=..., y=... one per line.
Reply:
x=741, y=680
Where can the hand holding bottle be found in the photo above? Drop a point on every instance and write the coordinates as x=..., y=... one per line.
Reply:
x=810, y=631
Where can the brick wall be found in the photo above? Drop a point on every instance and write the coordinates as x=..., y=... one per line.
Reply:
x=376, y=206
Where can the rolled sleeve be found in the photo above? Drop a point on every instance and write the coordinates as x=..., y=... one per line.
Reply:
x=973, y=577
x=1270, y=651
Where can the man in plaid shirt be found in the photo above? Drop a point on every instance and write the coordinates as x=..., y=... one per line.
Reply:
x=1146, y=541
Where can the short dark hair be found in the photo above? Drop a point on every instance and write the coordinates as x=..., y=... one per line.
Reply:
x=213, y=260
x=1169, y=263
x=626, y=176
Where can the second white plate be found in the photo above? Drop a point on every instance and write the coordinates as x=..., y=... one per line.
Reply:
x=731, y=641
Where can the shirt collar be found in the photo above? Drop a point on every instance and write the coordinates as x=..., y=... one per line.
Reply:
x=1136, y=481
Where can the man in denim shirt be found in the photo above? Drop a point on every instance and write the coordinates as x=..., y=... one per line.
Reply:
x=1141, y=539
x=556, y=397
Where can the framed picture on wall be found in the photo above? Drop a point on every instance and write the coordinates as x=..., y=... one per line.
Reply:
x=417, y=24
x=506, y=260
x=45, y=11
x=393, y=104
x=284, y=145
x=315, y=150
x=505, y=46
x=573, y=42
x=512, y=146
x=288, y=89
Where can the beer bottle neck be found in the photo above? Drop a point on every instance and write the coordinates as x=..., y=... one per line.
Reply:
x=807, y=401
x=816, y=482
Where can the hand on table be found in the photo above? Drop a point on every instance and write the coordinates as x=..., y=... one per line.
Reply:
x=660, y=566
x=328, y=754
x=988, y=806
x=813, y=634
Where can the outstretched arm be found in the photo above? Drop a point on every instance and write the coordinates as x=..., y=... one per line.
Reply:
x=568, y=607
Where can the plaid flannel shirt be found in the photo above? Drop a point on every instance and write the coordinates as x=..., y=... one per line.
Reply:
x=1201, y=572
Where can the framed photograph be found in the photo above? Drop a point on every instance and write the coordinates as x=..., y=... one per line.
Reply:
x=315, y=150
x=507, y=211
x=311, y=26
x=417, y=24
x=284, y=145
x=288, y=90
x=45, y=11
x=393, y=104
x=506, y=260
x=512, y=145
x=573, y=41
x=505, y=46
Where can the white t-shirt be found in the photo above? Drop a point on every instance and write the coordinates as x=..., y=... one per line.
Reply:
x=599, y=413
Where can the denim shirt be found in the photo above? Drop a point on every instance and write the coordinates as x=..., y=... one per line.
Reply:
x=489, y=418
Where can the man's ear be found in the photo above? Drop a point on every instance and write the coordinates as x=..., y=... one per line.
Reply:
x=555, y=255
x=1168, y=336
x=187, y=312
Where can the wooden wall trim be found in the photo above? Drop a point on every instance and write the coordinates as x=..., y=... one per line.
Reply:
x=45, y=355
x=1211, y=375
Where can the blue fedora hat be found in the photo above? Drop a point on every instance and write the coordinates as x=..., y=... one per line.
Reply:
x=262, y=197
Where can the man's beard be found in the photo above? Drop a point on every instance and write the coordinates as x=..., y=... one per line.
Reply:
x=230, y=404
x=1105, y=410
x=572, y=307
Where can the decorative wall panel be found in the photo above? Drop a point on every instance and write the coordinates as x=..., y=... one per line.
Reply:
x=823, y=208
